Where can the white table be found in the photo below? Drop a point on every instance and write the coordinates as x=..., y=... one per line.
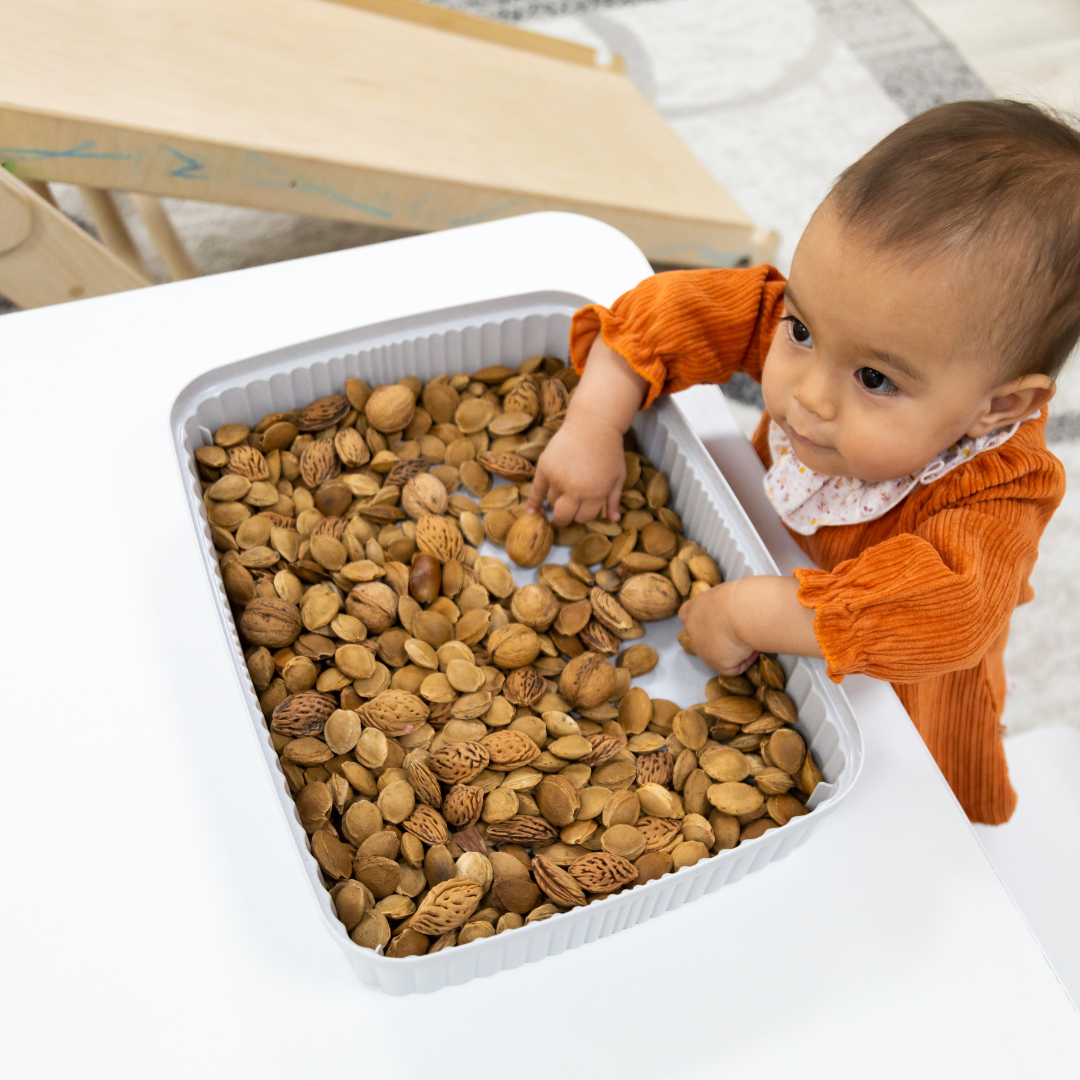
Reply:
x=154, y=916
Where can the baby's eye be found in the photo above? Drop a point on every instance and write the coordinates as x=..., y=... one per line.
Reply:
x=798, y=332
x=874, y=380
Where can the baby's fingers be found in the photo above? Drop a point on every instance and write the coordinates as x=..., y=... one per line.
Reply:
x=564, y=509
x=539, y=491
x=613, y=499
x=741, y=667
x=588, y=510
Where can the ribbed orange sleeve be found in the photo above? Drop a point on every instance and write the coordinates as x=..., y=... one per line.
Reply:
x=687, y=326
x=932, y=600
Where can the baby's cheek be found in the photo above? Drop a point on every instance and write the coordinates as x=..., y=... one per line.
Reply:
x=772, y=384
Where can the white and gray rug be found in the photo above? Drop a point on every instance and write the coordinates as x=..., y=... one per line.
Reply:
x=776, y=97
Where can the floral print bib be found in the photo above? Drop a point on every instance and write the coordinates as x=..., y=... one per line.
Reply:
x=807, y=500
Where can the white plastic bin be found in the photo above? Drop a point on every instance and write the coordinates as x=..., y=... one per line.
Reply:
x=466, y=339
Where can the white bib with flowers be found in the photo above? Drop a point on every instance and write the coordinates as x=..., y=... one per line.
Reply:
x=807, y=500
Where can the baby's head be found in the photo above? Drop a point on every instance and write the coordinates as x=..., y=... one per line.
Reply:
x=935, y=293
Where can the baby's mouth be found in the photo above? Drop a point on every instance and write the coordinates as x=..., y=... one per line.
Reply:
x=802, y=440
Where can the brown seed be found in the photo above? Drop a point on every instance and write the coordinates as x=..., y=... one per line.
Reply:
x=513, y=646
x=438, y=865
x=529, y=831
x=447, y=906
x=623, y=808
x=809, y=775
x=390, y=408
x=314, y=803
x=507, y=465
x=458, y=763
x=725, y=763
x=378, y=873
x=274, y=623
x=508, y=750
x=658, y=801
x=524, y=686
x=517, y=894
x=705, y=568
x=372, y=931
x=361, y=821
x=603, y=872
x=529, y=540
x=779, y=704
x=655, y=768
x=302, y=714
x=772, y=673
x=424, y=783
x=652, y=865
x=395, y=712
x=557, y=883
x=757, y=828
x=427, y=824
x=658, y=831
x=782, y=808
x=333, y=856
x=499, y=805
x=558, y=800
x=350, y=903
x=650, y=597
x=773, y=781
x=587, y=681
x=624, y=840
x=787, y=750
x=425, y=578
x=735, y=798
x=691, y=728
x=737, y=710
x=535, y=606
x=342, y=730
x=360, y=778
x=396, y=801
x=635, y=711
x=688, y=853
x=591, y=549
x=658, y=540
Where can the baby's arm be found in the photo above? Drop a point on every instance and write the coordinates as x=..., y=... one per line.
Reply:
x=582, y=469
x=670, y=332
x=731, y=623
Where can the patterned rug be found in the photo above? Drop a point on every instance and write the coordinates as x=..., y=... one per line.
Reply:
x=912, y=62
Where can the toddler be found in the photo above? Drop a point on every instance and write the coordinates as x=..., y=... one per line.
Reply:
x=906, y=367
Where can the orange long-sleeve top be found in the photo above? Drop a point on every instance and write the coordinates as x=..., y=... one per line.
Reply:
x=920, y=596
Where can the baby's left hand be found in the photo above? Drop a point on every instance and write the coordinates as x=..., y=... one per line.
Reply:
x=710, y=623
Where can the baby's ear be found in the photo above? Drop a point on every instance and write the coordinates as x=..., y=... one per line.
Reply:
x=1012, y=402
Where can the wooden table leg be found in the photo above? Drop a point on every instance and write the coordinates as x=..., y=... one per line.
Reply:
x=161, y=230
x=45, y=258
x=110, y=226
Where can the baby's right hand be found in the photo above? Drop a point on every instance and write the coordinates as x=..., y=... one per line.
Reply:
x=581, y=472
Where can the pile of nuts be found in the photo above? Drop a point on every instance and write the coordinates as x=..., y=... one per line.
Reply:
x=468, y=755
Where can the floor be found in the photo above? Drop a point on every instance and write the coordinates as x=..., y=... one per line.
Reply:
x=1027, y=49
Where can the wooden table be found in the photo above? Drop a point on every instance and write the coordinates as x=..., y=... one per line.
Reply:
x=154, y=915
x=317, y=108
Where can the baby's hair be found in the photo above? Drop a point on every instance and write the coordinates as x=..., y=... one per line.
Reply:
x=997, y=182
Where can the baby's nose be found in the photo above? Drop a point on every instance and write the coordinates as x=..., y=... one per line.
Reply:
x=814, y=395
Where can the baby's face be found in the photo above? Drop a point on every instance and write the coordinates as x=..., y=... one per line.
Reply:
x=878, y=366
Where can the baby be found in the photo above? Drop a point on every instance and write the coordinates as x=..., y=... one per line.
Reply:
x=906, y=367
